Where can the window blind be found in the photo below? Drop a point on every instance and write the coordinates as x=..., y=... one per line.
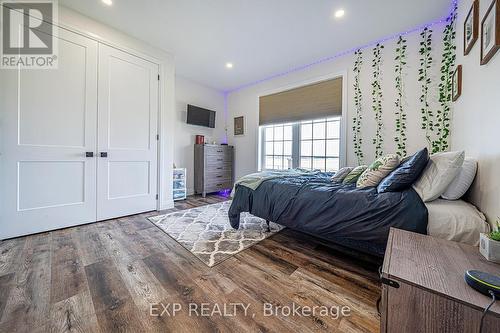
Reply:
x=318, y=100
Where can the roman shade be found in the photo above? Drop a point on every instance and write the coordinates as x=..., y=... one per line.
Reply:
x=322, y=99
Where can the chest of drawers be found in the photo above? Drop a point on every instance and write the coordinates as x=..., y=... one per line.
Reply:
x=213, y=168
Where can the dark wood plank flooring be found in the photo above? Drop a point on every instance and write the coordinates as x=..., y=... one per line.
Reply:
x=108, y=276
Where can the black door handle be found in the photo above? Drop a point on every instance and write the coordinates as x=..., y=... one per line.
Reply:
x=104, y=154
x=89, y=154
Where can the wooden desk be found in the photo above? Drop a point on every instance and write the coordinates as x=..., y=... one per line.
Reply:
x=428, y=292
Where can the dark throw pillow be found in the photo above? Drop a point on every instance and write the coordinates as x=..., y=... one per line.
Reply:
x=406, y=173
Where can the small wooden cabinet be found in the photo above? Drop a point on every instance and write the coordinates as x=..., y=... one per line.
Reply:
x=423, y=287
x=213, y=168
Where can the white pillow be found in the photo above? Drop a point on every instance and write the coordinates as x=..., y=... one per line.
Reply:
x=440, y=171
x=462, y=181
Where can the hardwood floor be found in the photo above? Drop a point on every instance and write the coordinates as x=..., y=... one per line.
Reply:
x=111, y=276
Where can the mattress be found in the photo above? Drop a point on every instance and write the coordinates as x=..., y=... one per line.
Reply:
x=455, y=220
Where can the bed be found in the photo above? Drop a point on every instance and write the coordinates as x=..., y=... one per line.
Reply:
x=456, y=220
x=342, y=214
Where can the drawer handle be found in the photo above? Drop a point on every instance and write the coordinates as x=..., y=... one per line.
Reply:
x=219, y=176
x=219, y=184
x=220, y=151
x=219, y=168
x=220, y=159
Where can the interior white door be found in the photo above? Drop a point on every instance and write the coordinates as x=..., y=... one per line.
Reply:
x=48, y=123
x=127, y=141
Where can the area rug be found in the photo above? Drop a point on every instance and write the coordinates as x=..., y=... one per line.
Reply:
x=205, y=231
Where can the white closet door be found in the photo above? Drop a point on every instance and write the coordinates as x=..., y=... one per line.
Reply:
x=48, y=123
x=127, y=127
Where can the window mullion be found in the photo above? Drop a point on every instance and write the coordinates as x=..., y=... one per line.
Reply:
x=296, y=145
x=326, y=132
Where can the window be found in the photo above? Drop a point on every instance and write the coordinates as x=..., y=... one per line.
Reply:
x=311, y=145
x=278, y=146
x=320, y=144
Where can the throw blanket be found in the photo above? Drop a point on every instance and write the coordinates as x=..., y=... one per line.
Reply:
x=359, y=218
x=253, y=180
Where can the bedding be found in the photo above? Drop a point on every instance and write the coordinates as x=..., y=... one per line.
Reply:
x=254, y=180
x=339, y=176
x=406, y=173
x=456, y=220
x=378, y=170
x=440, y=171
x=459, y=186
x=357, y=218
x=353, y=176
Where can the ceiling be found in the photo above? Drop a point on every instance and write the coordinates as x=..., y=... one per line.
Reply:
x=260, y=37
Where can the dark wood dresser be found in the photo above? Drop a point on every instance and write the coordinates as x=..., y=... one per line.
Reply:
x=424, y=289
x=213, y=168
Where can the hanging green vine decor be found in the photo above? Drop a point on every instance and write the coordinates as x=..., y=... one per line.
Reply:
x=400, y=60
x=424, y=78
x=377, y=100
x=447, y=67
x=356, y=121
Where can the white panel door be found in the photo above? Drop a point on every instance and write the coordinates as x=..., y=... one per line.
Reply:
x=48, y=123
x=127, y=144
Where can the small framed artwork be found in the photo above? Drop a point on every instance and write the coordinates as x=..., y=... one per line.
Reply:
x=456, y=83
x=490, y=32
x=471, y=27
x=239, y=125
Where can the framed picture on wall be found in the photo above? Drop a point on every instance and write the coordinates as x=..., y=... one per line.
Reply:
x=471, y=27
x=490, y=32
x=456, y=83
x=239, y=125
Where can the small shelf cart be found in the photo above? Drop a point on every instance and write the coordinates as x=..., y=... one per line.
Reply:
x=179, y=184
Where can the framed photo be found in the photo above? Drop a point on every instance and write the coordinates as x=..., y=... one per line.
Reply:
x=471, y=27
x=490, y=32
x=239, y=125
x=456, y=83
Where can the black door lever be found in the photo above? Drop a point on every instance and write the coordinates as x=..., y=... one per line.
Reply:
x=104, y=154
x=89, y=154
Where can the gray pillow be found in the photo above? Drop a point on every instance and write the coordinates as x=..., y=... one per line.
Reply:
x=341, y=174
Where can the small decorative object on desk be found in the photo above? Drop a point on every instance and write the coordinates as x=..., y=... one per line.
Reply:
x=179, y=186
x=489, y=244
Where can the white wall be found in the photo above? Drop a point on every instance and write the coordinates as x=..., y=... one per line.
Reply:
x=476, y=122
x=245, y=102
x=103, y=33
x=190, y=92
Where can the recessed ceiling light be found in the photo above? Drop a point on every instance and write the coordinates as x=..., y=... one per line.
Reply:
x=229, y=65
x=108, y=2
x=339, y=13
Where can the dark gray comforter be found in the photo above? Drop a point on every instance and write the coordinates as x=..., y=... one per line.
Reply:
x=356, y=218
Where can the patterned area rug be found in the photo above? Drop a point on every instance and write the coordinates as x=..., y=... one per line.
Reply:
x=206, y=232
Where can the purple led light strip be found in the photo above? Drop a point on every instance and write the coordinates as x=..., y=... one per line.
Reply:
x=453, y=5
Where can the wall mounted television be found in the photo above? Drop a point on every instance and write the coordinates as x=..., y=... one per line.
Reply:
x=200, y=116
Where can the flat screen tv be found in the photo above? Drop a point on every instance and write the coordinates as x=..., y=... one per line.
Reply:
x=200, y=116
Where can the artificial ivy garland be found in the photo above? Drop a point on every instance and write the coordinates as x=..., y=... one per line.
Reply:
x=400, y=60
x=378, y=140
x=445, y=86
x=424, y=78
x=356, y=127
